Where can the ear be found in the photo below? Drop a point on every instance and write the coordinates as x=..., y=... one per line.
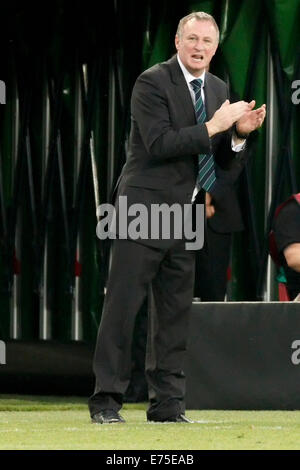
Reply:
x=177, y=42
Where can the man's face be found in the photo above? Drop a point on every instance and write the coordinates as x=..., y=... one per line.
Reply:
x=197, y=45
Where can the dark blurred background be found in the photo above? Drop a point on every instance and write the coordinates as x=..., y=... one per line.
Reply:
x=69, y=68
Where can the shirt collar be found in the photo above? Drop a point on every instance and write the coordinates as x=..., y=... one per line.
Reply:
x=187, y=75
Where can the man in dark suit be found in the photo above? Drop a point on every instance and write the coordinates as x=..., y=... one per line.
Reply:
x=166, y=139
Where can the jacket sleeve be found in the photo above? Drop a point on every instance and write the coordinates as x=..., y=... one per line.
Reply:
x=151, y=108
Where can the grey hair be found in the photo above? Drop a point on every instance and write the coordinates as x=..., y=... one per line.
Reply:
x=199, y=16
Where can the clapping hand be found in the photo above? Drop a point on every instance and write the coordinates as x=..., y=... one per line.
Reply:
x=252, y=119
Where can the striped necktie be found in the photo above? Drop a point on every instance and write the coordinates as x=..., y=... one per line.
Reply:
x=206, y=164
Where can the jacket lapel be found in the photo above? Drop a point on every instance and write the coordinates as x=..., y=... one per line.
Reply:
x=182, y=91
x=211, y=99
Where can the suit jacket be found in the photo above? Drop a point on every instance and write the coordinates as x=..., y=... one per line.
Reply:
x=165, y=140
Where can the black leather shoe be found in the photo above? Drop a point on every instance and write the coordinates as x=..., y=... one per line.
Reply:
x=181, y=418
x=107, y=416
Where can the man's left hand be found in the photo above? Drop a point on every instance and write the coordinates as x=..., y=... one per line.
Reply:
x=251, y=120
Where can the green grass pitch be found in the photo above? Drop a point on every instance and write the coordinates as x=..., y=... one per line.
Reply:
x=28, y=422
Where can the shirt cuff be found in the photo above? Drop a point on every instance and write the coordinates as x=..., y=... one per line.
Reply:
x=237, y=147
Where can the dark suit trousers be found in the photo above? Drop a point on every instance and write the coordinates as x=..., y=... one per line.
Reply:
x=133, y=268
x=211, y=266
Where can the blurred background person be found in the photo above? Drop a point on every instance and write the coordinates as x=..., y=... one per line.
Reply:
x=286, y=229
x=224, y=217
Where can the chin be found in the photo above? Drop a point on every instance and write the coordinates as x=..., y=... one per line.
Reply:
x=198, y=66
x=197, y=70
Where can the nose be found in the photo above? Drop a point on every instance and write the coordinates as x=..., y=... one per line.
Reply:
x=199, y=45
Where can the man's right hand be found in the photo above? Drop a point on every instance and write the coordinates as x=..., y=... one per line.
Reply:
x=226, y=116
x=209, y=207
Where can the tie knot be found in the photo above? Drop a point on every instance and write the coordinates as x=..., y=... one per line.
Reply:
x=196, y=84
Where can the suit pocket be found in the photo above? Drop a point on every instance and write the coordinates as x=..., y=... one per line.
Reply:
x=147, y=182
